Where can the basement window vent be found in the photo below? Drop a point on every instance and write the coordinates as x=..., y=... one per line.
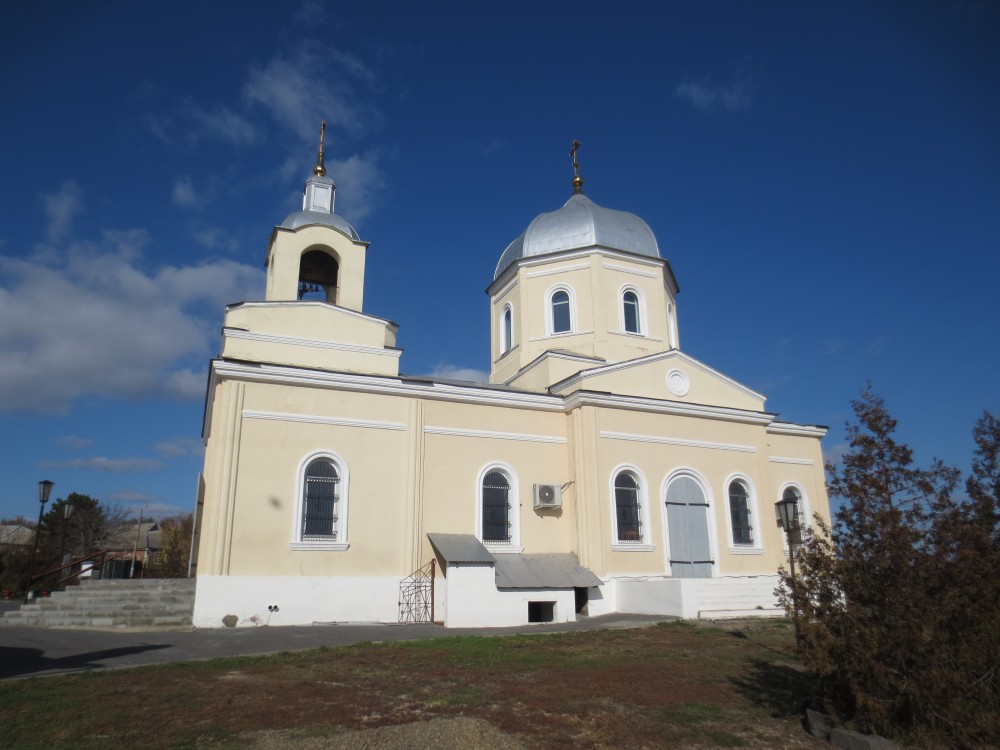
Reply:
x=541, y=611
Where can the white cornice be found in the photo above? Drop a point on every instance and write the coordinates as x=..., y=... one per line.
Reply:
x=313, y=419
x=539, y=260
x=685, y=443
x=550, y=354
x=523, y=437
x=798, y=430
x=502, y=292
x=388, y=386
x=657, y=406
x=315, y=303
x=560, y=269
x=270, y=338
x=633, y=271
x=790, y=460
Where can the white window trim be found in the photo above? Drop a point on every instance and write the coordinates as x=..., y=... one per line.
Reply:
x=549, y=322
x=515, y=508
x=506, y=344
x=713, y=537
x=641, y=311
x=645, y=543
x=805, y=510
x=298, y=543
x=756, y=546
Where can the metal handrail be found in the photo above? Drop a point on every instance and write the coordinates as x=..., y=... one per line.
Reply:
x=103, y=555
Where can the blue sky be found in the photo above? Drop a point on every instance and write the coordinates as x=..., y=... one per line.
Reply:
x=823, y=177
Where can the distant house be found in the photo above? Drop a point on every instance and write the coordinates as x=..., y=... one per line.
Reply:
x=133, y=548
x=16, y=536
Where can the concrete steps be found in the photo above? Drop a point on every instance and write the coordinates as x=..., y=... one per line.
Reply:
x=738, y=597
x=146, y=603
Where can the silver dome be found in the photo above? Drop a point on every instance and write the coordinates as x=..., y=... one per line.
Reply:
x=305, y=218
x=581, y=223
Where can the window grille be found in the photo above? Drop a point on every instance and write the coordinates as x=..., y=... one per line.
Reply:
x=739, y=514
x=496, y=508
x=320, y=511
x=627, y=509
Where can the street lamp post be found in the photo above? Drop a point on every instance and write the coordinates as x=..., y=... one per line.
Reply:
x=788, y=512
x=67, y=513
x=44, y=490
x=135, y=546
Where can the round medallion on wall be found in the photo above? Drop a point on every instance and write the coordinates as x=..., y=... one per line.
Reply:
x=678, y=383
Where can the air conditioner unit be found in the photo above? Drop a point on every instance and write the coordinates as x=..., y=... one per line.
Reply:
x=548, y=496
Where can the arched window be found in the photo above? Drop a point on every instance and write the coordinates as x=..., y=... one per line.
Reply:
x=508, y=328
x=496, y=508
x=630, y=312
x=627, y=517
x=739, y=514
x=795, y=495
x=318, y=276
x=321, y=504
x=320, y=501
x=561, y=318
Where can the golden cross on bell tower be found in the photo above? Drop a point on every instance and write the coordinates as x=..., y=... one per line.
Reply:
x=577, y=180
x=320, y=168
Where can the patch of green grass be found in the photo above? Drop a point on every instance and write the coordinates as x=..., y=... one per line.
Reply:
x=693, y=714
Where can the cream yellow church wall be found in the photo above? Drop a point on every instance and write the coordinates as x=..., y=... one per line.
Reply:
x=284, y=256
x=310, y=334
x=463, y=440
x=267, y=486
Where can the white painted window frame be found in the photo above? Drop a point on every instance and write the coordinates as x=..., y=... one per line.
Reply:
x=550, y=318
x=321, y=545
x=640, y=310
x=756, y=546
x=506, y=337
x=645, y=544
x=514, y=500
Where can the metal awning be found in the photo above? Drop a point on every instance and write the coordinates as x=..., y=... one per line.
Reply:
x=460, y=548
x=559, y=570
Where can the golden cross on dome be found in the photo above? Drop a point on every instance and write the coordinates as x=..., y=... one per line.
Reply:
x=577, y=180
x=320, y=166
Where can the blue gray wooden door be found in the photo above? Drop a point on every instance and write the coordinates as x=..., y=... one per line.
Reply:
x=687, y=530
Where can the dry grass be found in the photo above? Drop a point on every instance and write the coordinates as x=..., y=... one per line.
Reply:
x=677, y=685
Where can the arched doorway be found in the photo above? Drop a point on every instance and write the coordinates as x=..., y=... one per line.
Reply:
x=688, y=529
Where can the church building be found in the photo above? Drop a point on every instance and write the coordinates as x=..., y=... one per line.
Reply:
x=600, y=470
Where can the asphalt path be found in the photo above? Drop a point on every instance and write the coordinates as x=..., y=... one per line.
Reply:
x=31, y=652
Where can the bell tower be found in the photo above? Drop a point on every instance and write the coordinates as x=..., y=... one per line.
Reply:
x=314, y=254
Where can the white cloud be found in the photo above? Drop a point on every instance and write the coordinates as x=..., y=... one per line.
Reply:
x=311, y=85
x=101, y=463
x=184, y=193
x=706, y=95
x=181, y=446
x=61, y=207
x=835, y=453
x=129, y=496
x=74, y=443
x=94, y=321
x=223, y=124
x=452, y=372
x=358, y=180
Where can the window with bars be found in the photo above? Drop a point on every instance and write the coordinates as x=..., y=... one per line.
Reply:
x=739, y=514
x=496, y=508
x=321, y=497
x=627, y=513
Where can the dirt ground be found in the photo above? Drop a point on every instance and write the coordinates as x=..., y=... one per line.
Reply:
x=676, y=685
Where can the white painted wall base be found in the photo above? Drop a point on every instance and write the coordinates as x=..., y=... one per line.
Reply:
x=691, y=598
x=475, y=602
x=300, y=600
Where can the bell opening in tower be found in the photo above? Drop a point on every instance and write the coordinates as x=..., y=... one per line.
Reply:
x=318, y=271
